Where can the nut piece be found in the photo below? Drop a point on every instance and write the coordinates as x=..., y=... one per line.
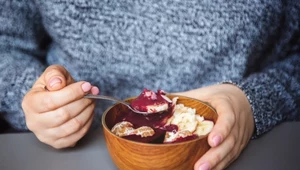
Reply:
x=125, y=128
x=144, y=131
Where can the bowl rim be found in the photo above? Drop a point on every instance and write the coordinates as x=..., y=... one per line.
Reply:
x=154, y=144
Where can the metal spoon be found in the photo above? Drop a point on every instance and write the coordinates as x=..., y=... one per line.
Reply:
x=90, y=96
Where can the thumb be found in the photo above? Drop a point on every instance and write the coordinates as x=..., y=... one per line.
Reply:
x=56, y=77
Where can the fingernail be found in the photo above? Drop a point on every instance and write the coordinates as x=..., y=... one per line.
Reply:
x=86, y=86
x=95, y=90
x=204, y=166
x=216, y=140
x=55, y=81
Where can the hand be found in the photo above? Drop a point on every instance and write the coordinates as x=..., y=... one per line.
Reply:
x=59, y=115
x=233, y=129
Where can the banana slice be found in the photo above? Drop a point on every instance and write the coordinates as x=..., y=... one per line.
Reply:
x=188, y=122
x=204, y=127
x=184, y=118
x=173, y=136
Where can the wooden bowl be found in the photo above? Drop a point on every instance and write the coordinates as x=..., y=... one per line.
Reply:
x=127, y=154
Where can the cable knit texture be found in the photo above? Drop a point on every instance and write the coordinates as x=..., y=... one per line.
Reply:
x=125, y=46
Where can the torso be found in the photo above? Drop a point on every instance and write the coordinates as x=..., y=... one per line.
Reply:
x=171, y=45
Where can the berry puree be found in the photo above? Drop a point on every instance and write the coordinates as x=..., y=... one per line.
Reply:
x=160, y=109
x=167, y=122
x=151, y=102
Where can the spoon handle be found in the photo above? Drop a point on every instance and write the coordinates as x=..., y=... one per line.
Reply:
x=90, y=96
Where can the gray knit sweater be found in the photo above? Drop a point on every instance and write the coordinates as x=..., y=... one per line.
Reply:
x=124, y=46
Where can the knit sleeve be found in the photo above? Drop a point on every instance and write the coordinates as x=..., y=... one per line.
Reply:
x=274, y=94
x=274, y=90
x=22, y=50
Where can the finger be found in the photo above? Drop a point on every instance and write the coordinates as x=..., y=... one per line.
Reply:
x=244, y=134
x=237, y=150
x=61, y=115
x=73, y=125
x=71, y=140
x=95, y=90
x=226, y=161
x=215, y=155
x=231, y=157
x=47, y=101
x=224, y=124
x=57, y=77
x=241, y=141
x=237, y=136
x=54, y=78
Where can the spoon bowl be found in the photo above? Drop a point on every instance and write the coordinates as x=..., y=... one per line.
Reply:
x=101, y=97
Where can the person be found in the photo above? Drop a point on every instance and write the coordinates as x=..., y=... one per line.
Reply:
x=242, y=57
